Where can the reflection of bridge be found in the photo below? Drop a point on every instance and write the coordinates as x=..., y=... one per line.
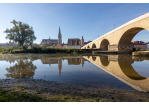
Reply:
x=120, y=67
x=120, y=38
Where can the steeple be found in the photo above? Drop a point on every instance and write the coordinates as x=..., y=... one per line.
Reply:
x=59, y=30
x=59, y=37
x=60, y=66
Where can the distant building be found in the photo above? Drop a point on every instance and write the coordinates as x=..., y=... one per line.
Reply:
x=50, y=42
x=146, y=42
x=147, y=46
x=87, y=42
x=7, y=44
x=75, y=43
x=139, y=44
x=61, y=45
x=2, y=44
x=59, y=37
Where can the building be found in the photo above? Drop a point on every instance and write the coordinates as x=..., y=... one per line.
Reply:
x=51, y=42
x=87, y=42
x=75, y=43
x=7, y=44
x=57, y=43
x=59, y=37
x=61, y=45
x=146, y=42
x=147, y=46
x=139, y=44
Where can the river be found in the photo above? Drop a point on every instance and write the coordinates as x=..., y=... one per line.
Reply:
x=103, y=71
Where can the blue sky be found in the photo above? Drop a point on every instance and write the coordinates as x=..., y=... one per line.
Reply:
x=75, y=19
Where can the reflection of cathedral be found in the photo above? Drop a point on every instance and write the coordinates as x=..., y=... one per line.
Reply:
x=75, y=61
x=60, y=66
x=71, y=61
x=53, y=61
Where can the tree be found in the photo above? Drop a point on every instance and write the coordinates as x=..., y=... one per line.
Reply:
x=44, y=45
x=15, y=46
x=35, y=45
x=21, y=33
x=1, y=48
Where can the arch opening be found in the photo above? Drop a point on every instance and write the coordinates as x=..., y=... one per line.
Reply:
x=125, y=43
x=104, y=45
x=125, y=64
x=93, y=58
x=104, y=60
x=88, y=47
x=93, y=46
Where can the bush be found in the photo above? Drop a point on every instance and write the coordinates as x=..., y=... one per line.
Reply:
x=138, y=48
x=1, y=48
x=35, y=49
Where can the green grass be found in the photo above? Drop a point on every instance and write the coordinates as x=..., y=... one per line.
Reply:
x=17, y=95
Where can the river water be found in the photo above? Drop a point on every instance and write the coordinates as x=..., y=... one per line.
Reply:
x=103, y=71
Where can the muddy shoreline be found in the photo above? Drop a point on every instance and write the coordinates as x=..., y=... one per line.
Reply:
x=50, y=89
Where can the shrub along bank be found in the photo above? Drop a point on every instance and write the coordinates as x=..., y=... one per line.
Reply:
x=40, y=50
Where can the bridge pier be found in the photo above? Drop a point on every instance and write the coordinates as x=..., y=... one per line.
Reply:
x=113, y=47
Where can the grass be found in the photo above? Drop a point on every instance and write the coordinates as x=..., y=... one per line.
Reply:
x=18, y=95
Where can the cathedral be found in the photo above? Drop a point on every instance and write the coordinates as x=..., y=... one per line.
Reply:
x=53, y=41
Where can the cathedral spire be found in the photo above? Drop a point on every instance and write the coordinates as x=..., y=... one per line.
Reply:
x=59, y=30
x=59, y=37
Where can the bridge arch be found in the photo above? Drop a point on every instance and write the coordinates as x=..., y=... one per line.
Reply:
x=104, y=60
x=88, y=47
x=93, y=46
x=94, y=58
x=104, y=45
x=124, y=43
x=127, y=69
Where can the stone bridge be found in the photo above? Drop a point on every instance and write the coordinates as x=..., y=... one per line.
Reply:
x=120, y=38
x=120, y=67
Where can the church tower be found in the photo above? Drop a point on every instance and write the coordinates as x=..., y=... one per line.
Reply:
x=59, y=37
x=60, y=66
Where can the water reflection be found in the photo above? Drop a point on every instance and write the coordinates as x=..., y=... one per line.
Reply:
x=71, y=61
x=53, y=61
x=24, y=68
x=76, y=61
x=120, y=67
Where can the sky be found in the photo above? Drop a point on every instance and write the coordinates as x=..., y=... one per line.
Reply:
x=90, y=20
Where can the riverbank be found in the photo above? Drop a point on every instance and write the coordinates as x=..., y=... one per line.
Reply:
x=140, y=53
x=41, y=90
